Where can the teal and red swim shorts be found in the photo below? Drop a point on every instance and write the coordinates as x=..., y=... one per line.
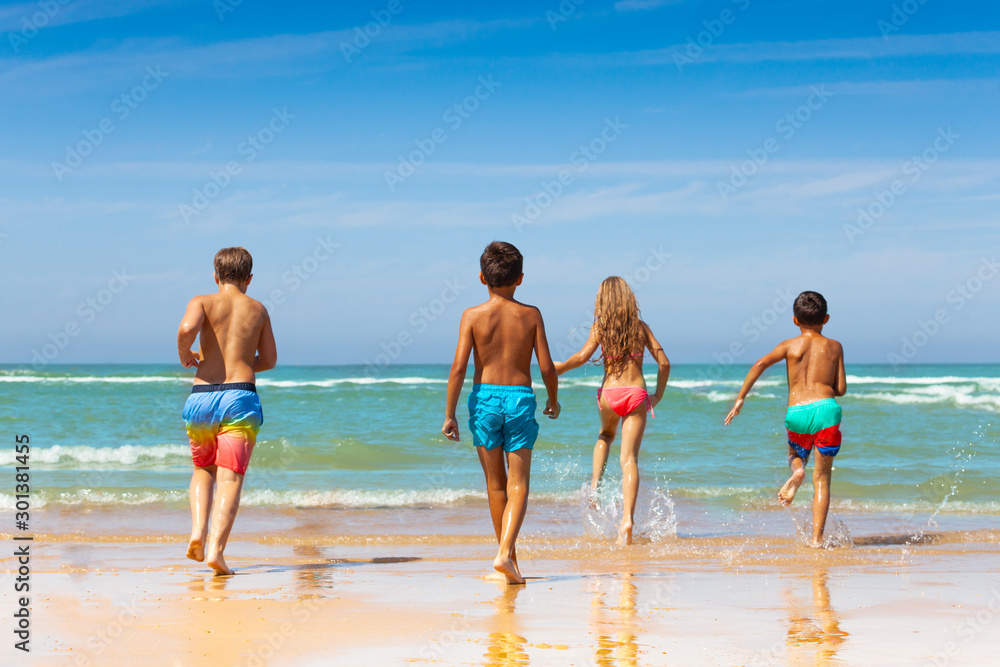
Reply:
x=814, y=425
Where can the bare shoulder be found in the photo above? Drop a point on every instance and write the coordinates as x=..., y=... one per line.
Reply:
x=836, y=346
x=529, y=311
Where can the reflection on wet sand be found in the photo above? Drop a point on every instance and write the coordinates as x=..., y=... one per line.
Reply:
x=506, y=646
x=615, y=625
x=814, y=634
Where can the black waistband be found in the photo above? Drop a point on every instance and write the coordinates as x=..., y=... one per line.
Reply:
x=242, y=386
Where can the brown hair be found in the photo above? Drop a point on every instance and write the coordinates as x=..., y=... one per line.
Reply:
x=619, y=327
x=810, y=308
x=233, y=265
x=501, y=264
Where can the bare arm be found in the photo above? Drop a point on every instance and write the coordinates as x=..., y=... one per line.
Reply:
x=762, y=364
x=840, y=387
x=662, y=364
x=456, y=378
x=581, y=357
x=267, y=351
x=194, y=318
x=547, y=369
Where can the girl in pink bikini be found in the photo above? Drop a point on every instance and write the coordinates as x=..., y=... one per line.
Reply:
x=623, y=338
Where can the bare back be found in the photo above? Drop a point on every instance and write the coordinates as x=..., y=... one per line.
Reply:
x=504, y=333
x=229, y=337
x=815, y=368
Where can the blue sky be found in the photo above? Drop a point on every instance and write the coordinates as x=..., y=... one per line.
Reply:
x=717, y=154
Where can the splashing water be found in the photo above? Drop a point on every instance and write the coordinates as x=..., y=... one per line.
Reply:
x=655, y=517
x=835, y=535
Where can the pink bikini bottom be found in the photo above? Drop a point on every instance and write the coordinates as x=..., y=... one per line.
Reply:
x=624, y=400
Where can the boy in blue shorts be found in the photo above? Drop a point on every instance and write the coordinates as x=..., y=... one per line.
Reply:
x=502, y=334
x=815, y=376
x=223, y=413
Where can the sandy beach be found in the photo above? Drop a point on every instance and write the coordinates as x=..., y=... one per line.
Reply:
x=304, y=595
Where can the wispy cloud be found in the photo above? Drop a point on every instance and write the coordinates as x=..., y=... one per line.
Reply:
x=65, y=13
x=642, y=5
x=850, y=48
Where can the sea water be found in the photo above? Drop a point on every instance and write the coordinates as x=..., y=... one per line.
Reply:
x=919, y=448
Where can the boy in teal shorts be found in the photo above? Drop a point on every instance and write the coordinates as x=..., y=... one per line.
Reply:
x=502, y=334
x=815, y=376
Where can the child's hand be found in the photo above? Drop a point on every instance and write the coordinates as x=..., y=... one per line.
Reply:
x=654, y=400
x=552, y=411
x=735, y=411
x=190, y=359
x=560, y=367
x=450, y=429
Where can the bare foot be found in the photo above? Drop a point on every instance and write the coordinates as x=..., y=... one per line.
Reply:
x=816, y=544
x=625, y=533
x=787, y=493
x=196, y=550
x=508, y=568
x=218, y=563
x=495, y=576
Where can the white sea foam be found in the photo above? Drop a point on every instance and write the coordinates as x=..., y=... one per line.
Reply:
x=75, y=455
x=333, y=382
x=87, y=379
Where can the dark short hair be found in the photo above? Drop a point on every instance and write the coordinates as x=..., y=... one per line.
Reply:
x=501, y=264
x=810, y=308
x=233, y=265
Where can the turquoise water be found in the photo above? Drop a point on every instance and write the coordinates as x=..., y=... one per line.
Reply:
x=919, y=439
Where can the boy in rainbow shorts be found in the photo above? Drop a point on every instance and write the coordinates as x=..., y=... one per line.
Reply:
x=223, y=413
x=815, y=376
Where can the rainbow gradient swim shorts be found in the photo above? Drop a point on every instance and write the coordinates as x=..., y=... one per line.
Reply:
x=222, y=424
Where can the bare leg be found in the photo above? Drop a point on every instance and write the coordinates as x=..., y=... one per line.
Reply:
x=519, y=473
x=202, y=490
x=496, y=489
x=798, y=466
x=822, y=470
x=609, y=425
x=227, y=504
x=632, y=429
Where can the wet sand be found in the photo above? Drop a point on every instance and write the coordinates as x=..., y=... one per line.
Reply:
x=305, y=596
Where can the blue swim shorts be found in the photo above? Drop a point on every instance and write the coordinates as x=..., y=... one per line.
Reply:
x=503, y=415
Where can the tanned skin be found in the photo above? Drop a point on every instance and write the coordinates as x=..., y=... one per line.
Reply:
x=236, y=343
x=502, y=334
x=815, y=372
